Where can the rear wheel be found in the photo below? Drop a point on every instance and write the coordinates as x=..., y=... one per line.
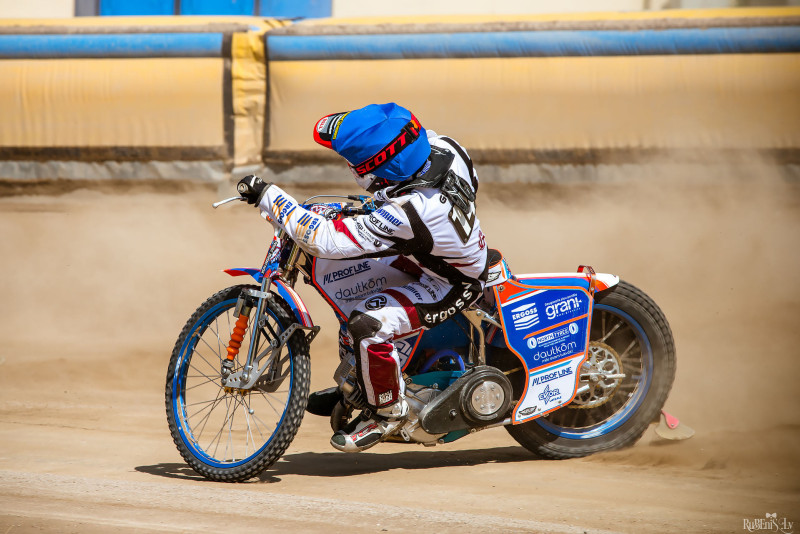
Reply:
x=228, y=434
x=629, y=336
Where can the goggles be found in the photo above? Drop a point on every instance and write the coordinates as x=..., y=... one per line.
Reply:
x=408, y=134
x=369, y=182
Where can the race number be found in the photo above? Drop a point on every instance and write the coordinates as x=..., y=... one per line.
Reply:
x=463, y=223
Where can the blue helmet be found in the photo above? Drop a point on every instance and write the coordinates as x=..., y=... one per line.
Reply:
x=384, y=140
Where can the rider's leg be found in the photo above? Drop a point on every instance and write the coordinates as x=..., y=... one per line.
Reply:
x=373, y=325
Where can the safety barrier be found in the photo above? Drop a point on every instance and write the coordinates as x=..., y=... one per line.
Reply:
x=575, y=89
x=201, y=97
x=132, y=97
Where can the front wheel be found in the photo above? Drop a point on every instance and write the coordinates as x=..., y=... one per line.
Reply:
x=629, y=336
x=228, y=434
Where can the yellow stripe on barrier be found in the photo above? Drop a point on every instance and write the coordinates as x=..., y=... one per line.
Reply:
x=257, y=23
x=248, y=72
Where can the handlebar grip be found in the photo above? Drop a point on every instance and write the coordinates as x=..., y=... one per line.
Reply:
x=354, y=211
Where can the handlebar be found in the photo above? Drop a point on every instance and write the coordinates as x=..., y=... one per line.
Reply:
x=215, y=205
x=346, y=210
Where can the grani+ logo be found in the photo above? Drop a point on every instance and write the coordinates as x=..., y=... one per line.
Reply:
x=562, y=306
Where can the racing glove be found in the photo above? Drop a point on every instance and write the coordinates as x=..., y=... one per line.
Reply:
x=252, y=188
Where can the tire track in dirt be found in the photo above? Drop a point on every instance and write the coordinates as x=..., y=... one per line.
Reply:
x=301, y=511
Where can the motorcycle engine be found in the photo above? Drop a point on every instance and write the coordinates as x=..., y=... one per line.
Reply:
x=417, y=398
x=480, y=397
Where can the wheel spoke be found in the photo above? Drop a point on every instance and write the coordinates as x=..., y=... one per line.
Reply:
x=248, y=431
x=263, y=394
x=615, y=349
x=230, y=430
x=610, y=332
x=266, y=426
x=625, y=352
x=201, y=402
x=204, y=420
x=255, y=419
x=218, y=436
x=219, y=355
x=228, y=427
x=208, y=377
x=216, y=334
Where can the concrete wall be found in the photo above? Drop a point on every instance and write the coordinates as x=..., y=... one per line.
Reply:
x=367, y=8
x=10, y=9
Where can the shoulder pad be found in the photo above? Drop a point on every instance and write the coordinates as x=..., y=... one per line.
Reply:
x=440, y=162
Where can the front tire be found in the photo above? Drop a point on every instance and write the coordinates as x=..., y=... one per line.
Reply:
x=233, y=435
x=629, y=329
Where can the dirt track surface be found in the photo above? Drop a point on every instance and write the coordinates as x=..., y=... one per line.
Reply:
x=96, y=286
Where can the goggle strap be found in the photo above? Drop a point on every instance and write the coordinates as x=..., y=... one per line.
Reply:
x=391, y=150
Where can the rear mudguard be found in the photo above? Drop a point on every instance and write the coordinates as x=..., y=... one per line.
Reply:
x=603, y=281
x=546, y=322
x=283, y=290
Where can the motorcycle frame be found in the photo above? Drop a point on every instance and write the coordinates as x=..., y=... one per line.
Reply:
x=282, y=281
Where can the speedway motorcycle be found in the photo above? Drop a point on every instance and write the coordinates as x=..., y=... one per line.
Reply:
x=568, y=363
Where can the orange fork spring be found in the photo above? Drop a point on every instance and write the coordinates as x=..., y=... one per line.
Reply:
x=237, y=336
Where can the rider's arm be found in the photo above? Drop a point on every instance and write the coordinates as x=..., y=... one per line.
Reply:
x=364, y=235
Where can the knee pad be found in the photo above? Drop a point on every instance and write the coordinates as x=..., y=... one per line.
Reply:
x=362, y=326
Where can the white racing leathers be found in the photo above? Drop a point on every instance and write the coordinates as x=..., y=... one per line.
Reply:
x=419, y=260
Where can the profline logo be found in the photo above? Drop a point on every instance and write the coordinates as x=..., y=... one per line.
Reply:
x=525, y=316
x=551, y=375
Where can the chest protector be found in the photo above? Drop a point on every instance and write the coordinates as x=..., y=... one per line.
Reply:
x=454, y=189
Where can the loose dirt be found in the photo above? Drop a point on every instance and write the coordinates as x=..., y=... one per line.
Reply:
x=96, y=286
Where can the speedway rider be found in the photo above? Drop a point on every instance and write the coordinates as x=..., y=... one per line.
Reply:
x=425, y=186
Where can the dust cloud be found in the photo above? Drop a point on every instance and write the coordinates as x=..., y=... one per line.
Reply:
x=97, y=285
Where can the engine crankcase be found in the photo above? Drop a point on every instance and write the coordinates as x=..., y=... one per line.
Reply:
x=480, y=397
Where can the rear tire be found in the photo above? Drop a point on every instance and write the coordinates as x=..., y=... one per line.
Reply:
x=634, y=327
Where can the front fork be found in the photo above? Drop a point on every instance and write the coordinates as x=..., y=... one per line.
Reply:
x=255, y=373
x=248, y=367
x=242, y=312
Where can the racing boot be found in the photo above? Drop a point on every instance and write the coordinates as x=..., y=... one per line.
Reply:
x=323, y=402
x=364, y=432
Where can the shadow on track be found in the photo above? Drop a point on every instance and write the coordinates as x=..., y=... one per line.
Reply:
x=336, y=464
x=179, y=471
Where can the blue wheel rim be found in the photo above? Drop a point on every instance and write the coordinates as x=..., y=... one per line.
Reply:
x=179, y=405
x=629, y=408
